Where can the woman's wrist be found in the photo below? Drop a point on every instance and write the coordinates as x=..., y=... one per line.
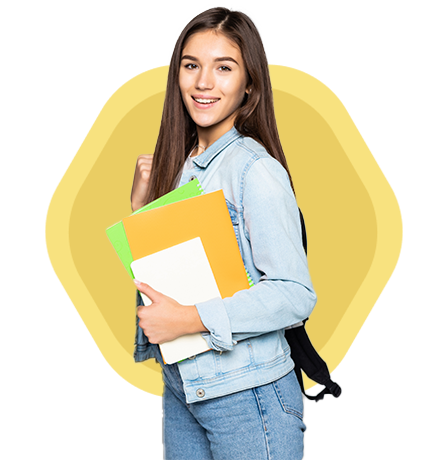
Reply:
x=193, y=321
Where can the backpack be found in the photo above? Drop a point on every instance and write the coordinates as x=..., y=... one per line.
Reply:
x=306, y=359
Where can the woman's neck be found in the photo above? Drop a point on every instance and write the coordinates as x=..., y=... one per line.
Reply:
x=207, y=136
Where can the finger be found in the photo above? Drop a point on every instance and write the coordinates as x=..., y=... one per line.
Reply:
x=144, y=163
x=145, y=174
x=141, y=165
x=151, y=293
x=145, y=159
x=144, y=169
x=142, y=313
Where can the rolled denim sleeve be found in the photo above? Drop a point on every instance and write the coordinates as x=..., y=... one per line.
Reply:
x=284, y=294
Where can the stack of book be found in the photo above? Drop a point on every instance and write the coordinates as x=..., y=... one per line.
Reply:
x=184, y=246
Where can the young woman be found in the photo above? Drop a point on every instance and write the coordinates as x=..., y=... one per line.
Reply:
x=240, y=400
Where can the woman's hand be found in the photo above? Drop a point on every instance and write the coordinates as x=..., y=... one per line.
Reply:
x=165, y=319
x=139, y=192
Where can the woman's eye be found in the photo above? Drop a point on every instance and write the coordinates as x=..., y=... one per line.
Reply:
x=188, y=66
x=225, y=68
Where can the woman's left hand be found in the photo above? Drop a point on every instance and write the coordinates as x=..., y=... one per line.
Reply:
x=166, y=319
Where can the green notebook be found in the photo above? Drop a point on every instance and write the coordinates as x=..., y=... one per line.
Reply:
x=116, y=233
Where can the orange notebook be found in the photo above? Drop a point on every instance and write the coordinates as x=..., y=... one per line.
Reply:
x=206, y=217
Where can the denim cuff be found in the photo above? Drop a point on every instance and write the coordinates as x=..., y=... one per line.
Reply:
x=214, y=317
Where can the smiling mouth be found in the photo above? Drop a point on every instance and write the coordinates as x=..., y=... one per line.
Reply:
x=204, y=101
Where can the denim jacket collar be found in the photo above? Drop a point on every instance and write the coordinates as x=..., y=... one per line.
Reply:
x=208, y=155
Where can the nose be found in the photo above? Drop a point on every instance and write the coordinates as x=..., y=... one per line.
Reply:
x=205, y=79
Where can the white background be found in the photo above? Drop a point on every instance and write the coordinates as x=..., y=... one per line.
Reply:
x=61, y=62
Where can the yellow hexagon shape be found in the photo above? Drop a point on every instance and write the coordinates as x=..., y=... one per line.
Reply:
x=353, y=220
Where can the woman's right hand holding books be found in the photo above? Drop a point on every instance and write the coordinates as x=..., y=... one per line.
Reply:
x=166, y=319
x=139, y=192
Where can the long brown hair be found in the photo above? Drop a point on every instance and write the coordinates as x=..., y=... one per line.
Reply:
x=255, y=117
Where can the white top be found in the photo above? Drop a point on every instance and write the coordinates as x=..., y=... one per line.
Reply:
x=188, y=164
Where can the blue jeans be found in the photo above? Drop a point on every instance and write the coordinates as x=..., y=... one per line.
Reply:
x=265, y=422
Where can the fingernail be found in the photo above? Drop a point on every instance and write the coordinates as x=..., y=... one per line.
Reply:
x=136, y=281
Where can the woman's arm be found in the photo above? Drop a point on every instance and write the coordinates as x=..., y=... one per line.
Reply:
x=284, y=295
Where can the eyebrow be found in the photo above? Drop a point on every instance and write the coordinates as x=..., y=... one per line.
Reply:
x=220, y=59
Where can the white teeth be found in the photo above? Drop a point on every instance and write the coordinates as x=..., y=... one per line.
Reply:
x=205, y=101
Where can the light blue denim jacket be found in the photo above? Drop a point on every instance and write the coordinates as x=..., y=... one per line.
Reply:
x=246, y=331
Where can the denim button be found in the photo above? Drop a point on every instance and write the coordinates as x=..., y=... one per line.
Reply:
x=200, y=392
x=191, y=178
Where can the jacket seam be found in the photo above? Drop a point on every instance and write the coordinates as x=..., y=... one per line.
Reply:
x=252, y=160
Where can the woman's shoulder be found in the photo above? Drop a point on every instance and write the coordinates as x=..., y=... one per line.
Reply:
x=257, y=158
x=252, y=147
x=250, y=168
x=245, y=152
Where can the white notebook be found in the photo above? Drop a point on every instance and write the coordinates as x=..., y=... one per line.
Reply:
x=183, y=273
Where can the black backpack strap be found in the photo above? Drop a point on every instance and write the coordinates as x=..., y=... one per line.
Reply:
x=309, y=360
x=303, y=231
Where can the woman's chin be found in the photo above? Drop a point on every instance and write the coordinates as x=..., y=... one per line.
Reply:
x=204, y=123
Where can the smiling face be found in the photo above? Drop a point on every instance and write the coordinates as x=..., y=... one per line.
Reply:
x=212, y=80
